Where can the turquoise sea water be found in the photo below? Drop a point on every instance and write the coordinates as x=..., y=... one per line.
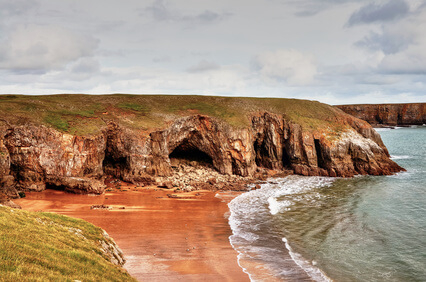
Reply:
x=368, y=228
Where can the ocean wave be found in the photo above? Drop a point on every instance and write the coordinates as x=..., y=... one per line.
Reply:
x=276, y=206
x=395, y=157
x=250, y=211
x=382, y=129
x=309, y=267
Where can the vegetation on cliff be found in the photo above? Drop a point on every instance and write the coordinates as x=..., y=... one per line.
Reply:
x=38, y=246
x=85, y=114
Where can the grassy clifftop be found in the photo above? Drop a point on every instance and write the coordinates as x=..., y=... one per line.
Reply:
x=85, y=114
x=38, y=246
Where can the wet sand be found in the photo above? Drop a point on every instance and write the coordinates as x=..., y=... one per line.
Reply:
x=162, y=238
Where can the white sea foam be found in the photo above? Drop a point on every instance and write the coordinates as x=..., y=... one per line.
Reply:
x=395, y=157
x=382, y=129
x=249, y=209
x=276, y=206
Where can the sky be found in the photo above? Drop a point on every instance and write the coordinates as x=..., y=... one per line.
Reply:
x=333, y=51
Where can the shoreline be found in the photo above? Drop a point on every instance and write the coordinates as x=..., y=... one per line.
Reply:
x=163, y=238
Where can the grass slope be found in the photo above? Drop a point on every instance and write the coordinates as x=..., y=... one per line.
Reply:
x=37, y=246
x=85, y=114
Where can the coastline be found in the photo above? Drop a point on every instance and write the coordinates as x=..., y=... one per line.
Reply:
x=163, y=238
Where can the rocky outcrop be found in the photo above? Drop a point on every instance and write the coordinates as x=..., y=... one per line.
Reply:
x=39, y=157
x=111, y=250
x=36, y=157
x=388, y=114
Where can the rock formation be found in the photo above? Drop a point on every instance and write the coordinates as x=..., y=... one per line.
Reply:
x=388, y=114
x=36, y=157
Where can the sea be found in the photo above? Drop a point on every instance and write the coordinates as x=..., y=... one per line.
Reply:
x=366, y=228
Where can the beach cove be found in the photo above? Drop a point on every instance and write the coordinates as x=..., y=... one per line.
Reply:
x=162, y=238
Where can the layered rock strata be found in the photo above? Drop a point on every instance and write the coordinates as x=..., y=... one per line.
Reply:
x=388, y=114
x=36, y=157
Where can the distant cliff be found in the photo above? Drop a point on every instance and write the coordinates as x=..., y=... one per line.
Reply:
x=388, y=114
x=73, y=142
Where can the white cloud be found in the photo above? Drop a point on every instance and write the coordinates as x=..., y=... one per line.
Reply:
x=289, y=65
x=40, y=48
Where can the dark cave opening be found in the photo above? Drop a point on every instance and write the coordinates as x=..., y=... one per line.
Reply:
x=262, y=158
x=286, y=159
x=188, y=154
x=265, y=158
x=399, y=119
x=114, y=166
x=320, y=157
x=51, y=186
x=378, y=119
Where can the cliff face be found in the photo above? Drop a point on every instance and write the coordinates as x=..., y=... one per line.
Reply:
x=36, y=157
x=388, y=114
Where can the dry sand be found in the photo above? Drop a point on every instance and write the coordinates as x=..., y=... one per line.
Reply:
x=162, y=238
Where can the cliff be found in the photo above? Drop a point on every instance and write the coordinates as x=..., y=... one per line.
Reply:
x=388, y=114
x=73, y=142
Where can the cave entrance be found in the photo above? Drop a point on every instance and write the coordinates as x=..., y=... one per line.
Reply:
x=320, y=157
x=399, y=119
x=188, y=154
x=263, y=158
x=379, y=120
x=52, y=186
x=114, y=166
x=286, y=159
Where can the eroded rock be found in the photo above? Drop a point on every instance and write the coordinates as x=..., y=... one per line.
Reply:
x=35, y=157
x=388, y=114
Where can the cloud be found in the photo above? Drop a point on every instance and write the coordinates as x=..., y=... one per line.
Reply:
x=203, y=66
x=390, y=41
x=160, y=11
x=401, y=45
x=411, y=62
x=372, y=13
x=307, y=8
x=16, y=7
x=40, y=48
x=289, y=65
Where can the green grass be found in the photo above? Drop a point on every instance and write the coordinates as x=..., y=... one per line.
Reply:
x=86, y=114
x=134, y=107
x=37, y=246
x=57, y=121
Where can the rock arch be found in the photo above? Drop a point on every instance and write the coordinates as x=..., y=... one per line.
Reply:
x=226, y=146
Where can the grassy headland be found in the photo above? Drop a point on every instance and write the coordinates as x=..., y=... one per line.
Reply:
x=85, y=114
x=37, y=246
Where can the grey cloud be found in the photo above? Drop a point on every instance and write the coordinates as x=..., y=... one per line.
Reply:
x=371, y=13
x=160, y=11
x=307, y=8
x=387, y=42
x=403, y=64
x=16, y=7
x=203, y=66
x=85, y=65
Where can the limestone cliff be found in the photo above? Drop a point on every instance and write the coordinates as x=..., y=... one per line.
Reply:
x=321, y=140
x=388, y=114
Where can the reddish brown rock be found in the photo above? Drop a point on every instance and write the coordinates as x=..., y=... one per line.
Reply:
x=388, y=114
x=35, y=157
x=39, y=154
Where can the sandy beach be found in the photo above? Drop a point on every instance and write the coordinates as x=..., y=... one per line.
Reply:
x=162, y=238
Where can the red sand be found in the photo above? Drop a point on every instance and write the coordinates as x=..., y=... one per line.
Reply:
x=163, y=239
